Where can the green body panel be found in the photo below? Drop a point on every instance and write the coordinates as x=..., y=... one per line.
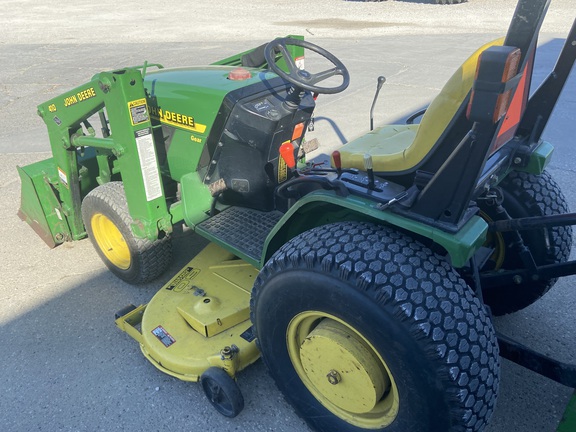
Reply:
x=325, y=207
x=196, y=199
x=188, y=100
x=568, y=422
x=539, y=159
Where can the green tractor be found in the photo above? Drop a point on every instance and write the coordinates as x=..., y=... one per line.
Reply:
x=366, y=280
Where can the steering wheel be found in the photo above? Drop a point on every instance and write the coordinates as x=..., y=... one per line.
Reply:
x=302, y=78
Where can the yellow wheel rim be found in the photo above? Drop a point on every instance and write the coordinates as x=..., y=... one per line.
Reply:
x=110, y=241
x=342, y=370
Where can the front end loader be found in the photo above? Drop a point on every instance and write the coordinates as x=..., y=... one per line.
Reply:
x=142, y=169
x=366, y=279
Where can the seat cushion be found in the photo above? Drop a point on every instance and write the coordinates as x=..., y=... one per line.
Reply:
x=387, y=145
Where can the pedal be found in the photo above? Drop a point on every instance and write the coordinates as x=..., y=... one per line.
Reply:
x=309, y=146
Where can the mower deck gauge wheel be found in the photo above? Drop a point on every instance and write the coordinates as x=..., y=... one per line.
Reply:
x=222, y=392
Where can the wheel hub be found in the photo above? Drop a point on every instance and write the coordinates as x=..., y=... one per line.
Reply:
x=343, y=368
x=111, y=241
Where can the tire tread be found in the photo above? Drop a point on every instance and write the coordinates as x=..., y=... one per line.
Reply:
x=151, y=258
x=424, y=293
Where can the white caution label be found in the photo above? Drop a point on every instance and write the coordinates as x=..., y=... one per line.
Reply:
x=149, y=166
x=299, y=61
x=63, y=177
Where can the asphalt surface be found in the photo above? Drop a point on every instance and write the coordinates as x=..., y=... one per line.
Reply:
x=64, y=364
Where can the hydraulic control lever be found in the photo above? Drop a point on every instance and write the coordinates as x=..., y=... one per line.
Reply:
x=287, y=153
x=381, y=81
x=369, y=170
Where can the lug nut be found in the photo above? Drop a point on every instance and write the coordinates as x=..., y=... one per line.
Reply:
x=333, y=377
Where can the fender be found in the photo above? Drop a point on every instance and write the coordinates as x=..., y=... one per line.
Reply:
x=323, y=207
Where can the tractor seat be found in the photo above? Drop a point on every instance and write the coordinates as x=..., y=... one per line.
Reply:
x=402, y=148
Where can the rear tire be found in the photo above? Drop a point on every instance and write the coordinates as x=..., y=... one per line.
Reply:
x=527, y=195
x=107, y=221
x=363, y=328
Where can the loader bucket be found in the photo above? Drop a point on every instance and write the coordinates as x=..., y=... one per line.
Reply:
x=39, y=203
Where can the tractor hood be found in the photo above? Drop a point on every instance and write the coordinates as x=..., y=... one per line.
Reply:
x=190, y=98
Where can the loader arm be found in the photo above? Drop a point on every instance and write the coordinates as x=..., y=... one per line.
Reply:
x=125, y=145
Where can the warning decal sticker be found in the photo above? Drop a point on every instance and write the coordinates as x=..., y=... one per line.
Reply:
x=163, y=336
x=248, y=334
x=282, y=170
x=138, y=111
x=148, y=164
x=63, y=177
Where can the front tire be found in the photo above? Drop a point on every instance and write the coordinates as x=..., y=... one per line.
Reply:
x=107, y=221
x=363, y=328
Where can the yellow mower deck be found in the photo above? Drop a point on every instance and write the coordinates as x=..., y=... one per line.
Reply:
x=199, y=319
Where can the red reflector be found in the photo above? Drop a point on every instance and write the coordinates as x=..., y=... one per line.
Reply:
x=239, y=74
x=511, y=66
x=510, y=69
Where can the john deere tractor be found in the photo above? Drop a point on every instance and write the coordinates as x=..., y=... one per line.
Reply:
x=365, y=279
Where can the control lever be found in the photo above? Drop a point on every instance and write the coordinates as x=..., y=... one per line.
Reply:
x=381, y=81
x=287, y=153
x=337, y=162
x=369, y=170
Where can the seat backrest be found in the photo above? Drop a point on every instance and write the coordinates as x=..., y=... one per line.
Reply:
x=445, y=107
